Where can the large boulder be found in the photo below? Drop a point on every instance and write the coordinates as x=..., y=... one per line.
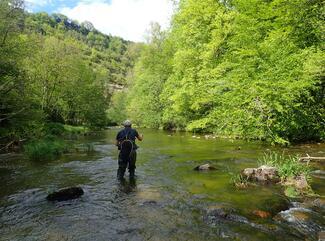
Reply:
x=264, y=174
x=65, y=194
x=299, y=183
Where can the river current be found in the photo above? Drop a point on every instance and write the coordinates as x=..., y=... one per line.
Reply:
x=168, y=201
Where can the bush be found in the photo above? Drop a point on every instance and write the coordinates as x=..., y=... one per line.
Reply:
x=56, y=129
x=75, y=129
x=45, y=149
x=288, y=166
x=59, y=129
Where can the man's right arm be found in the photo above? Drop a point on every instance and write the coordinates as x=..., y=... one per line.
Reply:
x=117, y=139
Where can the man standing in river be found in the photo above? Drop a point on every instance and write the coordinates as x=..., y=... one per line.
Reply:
x=125, y=141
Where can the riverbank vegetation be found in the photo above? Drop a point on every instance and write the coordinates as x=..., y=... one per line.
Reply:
x=275, y=168
x=287, y=166
x=244, y=69
x=45, y=149
x=55, y=73
x=250, y=69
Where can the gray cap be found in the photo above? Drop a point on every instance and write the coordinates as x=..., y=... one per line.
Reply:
x=127, y=123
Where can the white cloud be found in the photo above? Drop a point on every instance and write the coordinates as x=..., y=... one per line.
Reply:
x=38, y=2
x=125, y=18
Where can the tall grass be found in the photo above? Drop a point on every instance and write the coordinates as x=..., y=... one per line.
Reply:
x=287, y=165
x=45, y=149
x=239, y=180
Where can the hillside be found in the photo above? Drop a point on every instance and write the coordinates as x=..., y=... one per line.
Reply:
x=110, y=54
x=54, y=69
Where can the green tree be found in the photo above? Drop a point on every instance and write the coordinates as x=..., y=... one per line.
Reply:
x=17, y=116
x=64, y=85
x=246, y=68
x=150, y=74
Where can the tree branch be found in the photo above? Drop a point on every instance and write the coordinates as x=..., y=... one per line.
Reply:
x=12, y=114
x=309, y=158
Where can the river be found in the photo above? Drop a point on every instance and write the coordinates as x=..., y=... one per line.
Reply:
x=169, y=201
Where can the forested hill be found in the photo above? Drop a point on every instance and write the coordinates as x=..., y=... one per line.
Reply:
x=243, y=68
x=53, y=69
x=106, y=53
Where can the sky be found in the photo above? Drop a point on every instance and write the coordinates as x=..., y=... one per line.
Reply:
x=129, y=19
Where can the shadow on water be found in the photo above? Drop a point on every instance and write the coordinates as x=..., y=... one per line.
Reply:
x=167, y=200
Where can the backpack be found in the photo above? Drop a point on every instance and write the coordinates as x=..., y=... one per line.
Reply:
x=126, y=146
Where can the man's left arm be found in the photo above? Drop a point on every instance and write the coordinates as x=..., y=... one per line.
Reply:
x=139, y=137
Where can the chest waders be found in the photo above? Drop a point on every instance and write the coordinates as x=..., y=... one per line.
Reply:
x=127, y=157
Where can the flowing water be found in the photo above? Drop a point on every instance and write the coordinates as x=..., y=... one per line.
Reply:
x=169, y=201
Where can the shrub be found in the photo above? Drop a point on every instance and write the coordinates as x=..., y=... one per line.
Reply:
x=75, y=129
x=52, y=128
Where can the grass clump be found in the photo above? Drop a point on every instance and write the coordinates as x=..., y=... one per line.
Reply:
x=239, y=181
x=291, y=192
x=294, y=174
x=45, y=149
x=287, y=166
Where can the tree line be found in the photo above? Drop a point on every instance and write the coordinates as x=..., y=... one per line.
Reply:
x=53, y=69
x=251, y=69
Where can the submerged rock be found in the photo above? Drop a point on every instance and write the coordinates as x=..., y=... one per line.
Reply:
x=262, y=214
x=221, y=213
x=65, y=194
x=319, y=203
x=303, y=220
x=315, y=204
x=321, y=236
x=149, y=203
x=263, y=174
x=205, y=167
x=274, y=205
x=318, y=174
x=148, y=195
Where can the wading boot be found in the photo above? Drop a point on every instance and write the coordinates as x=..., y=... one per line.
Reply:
x=132, y=174
x=120, y=174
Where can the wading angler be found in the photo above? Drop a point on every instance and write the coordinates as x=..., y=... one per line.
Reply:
x=125, y=141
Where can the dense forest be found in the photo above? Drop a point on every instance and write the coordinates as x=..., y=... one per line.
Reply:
x=250, y=69
x=243, y=68
x=56, y=70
